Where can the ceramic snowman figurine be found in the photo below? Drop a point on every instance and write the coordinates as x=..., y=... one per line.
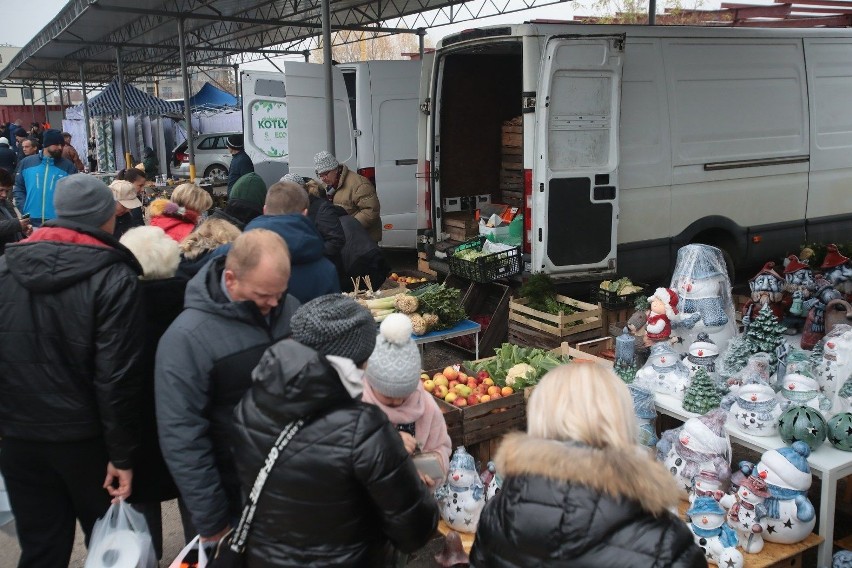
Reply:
x=702, y=354
x=645, y=413
x=790, y=516
x=701, y=282
x=755, y=410
x=664, y=372
x=462, y=496
x=836, y=360
x=705, y=484
x=491, y=480
x=837, y=269
x=716, y=539
x=746, y=512
x=701, y=444
x=802, y=390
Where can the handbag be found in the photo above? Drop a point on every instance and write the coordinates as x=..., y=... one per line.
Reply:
x=230, y=549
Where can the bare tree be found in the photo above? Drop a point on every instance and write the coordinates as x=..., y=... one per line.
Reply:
x=364, y=46
x=677, y=12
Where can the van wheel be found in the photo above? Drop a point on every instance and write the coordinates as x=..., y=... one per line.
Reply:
x=216, y=171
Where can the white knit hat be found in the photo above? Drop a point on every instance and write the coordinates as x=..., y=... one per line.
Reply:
x=325, y=162
x=394, y=367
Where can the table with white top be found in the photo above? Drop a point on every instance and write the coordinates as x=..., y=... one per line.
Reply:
x=826, y=462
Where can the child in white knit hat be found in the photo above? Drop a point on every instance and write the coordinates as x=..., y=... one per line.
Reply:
x=393, y=384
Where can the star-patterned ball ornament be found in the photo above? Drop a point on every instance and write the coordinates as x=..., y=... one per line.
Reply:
x=840, y=431
x=802, y=424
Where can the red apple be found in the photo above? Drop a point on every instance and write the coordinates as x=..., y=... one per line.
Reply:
x=452, y=384
x=463, y=377
x=492, y=390
x=483, y=374
x=460, y=402
x=472, y=383
x=441, y=391
x=488, y=381
x=473, y=399
x=484, y=398
x=440, y=379
x=451, y=373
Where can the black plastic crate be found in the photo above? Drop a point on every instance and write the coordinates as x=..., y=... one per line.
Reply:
x=612, y=300
x=486, y=268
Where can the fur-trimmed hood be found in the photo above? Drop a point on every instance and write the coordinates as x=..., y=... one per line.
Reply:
x=616, y=473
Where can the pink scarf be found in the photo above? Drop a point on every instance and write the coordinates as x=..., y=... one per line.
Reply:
x=421, y=409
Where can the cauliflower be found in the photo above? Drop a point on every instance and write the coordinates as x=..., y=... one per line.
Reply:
x=418, y=324
x=406, y=304
x=520, y=371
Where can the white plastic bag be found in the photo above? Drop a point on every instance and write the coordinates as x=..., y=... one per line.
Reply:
x=202, y=556
x=121, y=539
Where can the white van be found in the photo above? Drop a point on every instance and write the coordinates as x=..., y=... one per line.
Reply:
x=375, y=121
x=640, y=139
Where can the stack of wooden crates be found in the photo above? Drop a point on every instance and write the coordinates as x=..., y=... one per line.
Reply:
x=512, y=163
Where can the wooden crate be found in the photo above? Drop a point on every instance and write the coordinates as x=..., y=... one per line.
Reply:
x=612, y=316
x=603, y=347
x=539, y=329
x=470, y=425
x=460, y=226
x=483, y=299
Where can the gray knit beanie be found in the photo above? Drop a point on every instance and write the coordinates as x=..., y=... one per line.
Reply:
x=83, y=199
x=325, y=162
x=335, y=325
x=294, y=178
x=394, y=368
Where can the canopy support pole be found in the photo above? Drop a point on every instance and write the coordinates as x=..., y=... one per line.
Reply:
x=32, y=99
x=44, y=99
x=86, y=117
x=237, y=81
x=329, y=85
x=421, y=40
x=652, y=12
x=307, y=54
x=187, y=112
x=125, y=135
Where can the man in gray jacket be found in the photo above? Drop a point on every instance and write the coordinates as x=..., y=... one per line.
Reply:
x=235, y=307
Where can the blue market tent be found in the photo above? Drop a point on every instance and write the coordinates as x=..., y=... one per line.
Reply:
x=212, y=98
x=108, y=103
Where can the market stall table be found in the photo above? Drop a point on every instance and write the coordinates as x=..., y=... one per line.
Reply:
x=827, y=463
x=464, y=327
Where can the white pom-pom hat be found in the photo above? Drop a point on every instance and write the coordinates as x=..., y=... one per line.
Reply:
x=393, y=369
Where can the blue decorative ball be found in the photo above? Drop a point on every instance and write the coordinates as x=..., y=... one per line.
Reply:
x=802, y=424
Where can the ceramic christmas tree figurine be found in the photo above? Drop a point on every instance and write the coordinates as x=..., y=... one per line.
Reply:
x=701, y=282
x=755, y=410
x=706, y=484
x=646, y=414
x=814, y=328
x=664, y=371
x=800, y=286
x=790, y=516
x=767, y=289
x=764, y=335
x=701, y=396
x=836, y=361
x=716, y=539
x=462, y=496
x=746, y=512
x=837, y=269
x=701, y=444
x=840, y=431
x=802, y=424
x=802, y=390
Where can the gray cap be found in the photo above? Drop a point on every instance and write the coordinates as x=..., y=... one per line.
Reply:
x=83, y=199
x=335, y=325
x=294, y=178
x=325, y=162
x=394, y=368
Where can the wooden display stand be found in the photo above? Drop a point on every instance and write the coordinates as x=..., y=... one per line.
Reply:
x=773, y=555
x=533, y=328
x=466, y=538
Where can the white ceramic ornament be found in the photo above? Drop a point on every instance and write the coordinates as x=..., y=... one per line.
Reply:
x=701, y=444
x=746, y=512
x=836, y=362
x=705, y=484
x=492, y=480
x=713, y=535
x=462, y=495
x=755, y=410
x=664, y=372
x=790, y=516
x=802, y=390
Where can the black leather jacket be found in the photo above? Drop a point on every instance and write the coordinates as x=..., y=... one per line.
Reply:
x=344, y=485
x=72, y=338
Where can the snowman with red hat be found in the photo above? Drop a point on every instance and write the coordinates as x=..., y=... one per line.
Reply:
x=661, y=314
x=746, y=511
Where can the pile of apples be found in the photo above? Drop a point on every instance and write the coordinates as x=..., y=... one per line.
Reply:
x=460, y=389
x=406, y=279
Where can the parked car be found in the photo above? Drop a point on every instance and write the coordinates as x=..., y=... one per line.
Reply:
x=212, y=158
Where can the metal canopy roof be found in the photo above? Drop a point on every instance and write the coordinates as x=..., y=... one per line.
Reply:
x=87, y=32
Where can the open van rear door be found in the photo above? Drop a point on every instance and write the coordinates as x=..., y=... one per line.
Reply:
x=575, y=181
x=306, y=110
x=425, y=211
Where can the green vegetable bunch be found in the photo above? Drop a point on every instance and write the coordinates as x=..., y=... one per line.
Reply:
x=540, y=292
x=442, y=301
x=509, y=356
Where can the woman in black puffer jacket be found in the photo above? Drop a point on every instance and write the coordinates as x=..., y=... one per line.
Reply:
x=577, y=491
x=345, y=486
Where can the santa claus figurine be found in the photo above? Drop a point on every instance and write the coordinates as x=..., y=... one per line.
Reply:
x=661, y=314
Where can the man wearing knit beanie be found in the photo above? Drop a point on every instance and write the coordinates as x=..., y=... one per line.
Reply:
x=351, y=191
x=393, y=384
x=345, y=469
x=72, y=332
x=37, y=176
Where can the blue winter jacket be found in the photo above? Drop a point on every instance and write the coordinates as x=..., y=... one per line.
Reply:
x=311, y=274
x=241, y=164
x=34, y=184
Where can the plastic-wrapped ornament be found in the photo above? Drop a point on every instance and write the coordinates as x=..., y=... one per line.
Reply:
x=646, y=414
x=704, y=290
x=664, y=371
x=701, y=444
x=802, y=424
x=836, y=362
